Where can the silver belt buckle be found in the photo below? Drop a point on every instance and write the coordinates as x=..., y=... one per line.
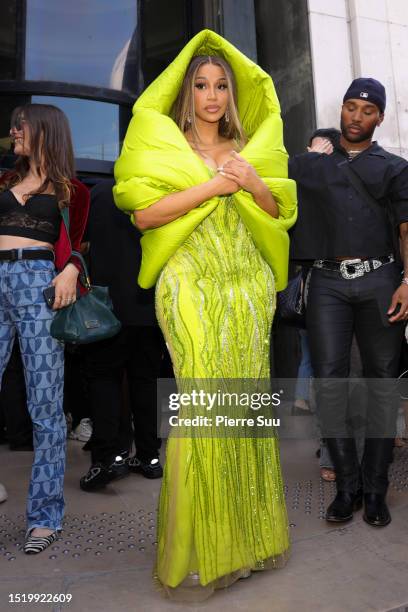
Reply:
x=359, y=268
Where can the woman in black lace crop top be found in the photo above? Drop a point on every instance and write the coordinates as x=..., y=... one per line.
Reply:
x=31, y=238
x=39, y=219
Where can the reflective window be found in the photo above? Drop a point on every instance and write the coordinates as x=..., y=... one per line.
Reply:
x=94, y=126
x=8, y=41
x=165, y=31
x=93, y=43
x=284, y=52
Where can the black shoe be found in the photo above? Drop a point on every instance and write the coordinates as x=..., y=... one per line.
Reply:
x=376, y=512
x=342, y=507
x=97, y=477
x=149, y=469
x=119, y=468
x=100, y=474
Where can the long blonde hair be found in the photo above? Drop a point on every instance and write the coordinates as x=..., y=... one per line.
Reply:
x=184, y=111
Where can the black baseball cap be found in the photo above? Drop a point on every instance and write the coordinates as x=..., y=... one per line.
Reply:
x=367, y=89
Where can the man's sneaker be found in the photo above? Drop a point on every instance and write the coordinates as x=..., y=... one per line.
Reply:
x=97, y=477
x=82, y=432
x=99, y=474
x=149, y=469
x=119, y=468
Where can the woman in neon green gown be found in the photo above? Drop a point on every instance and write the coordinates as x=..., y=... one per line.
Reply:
x=222, y=510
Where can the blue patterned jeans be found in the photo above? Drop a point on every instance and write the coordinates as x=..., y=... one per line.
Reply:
x=23, y=311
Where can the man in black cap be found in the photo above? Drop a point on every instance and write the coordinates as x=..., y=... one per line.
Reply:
x=353, y=229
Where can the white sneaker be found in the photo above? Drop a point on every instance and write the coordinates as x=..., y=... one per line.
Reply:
x=82, y=432
x=3, y=493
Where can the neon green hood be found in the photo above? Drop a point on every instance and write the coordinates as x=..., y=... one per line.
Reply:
x=156, y=160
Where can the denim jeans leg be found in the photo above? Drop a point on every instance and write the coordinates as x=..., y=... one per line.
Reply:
x=43, y=360
x=305, y=371
x=325, y=459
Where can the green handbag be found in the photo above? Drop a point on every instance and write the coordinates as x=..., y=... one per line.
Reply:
x=90, y=318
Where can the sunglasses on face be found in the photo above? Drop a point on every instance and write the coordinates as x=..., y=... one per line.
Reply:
x=18, y=124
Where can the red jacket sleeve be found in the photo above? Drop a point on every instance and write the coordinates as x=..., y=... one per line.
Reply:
x=78, y=215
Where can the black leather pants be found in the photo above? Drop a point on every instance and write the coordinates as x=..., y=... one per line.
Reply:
x=337, y=309
x=138, y=352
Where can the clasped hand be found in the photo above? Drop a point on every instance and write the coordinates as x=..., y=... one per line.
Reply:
x=241, y=173
x=320, y=144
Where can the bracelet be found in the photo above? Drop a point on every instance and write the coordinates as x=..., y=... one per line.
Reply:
x=404, y=280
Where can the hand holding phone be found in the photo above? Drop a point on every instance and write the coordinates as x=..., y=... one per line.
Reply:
x=49, y=295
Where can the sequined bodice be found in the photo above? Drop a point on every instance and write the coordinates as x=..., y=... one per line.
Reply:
x=222, y=242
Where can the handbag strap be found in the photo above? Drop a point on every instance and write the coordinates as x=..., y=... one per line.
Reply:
x=84, y=276
x=361, y=189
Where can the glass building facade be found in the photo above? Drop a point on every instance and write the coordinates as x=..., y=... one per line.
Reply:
x=93, y=59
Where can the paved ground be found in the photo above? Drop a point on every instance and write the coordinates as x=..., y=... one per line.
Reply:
x=105, y=556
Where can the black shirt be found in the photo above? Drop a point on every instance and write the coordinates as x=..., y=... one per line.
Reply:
x=334, y=220
x=115, y=257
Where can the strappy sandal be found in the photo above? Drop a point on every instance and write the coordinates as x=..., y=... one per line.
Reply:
x=36, y=544
x=327, y=474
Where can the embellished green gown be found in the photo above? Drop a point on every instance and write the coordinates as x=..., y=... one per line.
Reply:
x=222, y=510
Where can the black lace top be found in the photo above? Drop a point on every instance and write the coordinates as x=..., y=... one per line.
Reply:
x=39, y=218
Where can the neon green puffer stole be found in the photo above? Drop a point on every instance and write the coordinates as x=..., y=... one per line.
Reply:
x=156, y=160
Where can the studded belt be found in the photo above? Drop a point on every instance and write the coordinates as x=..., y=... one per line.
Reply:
x=353, y=268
